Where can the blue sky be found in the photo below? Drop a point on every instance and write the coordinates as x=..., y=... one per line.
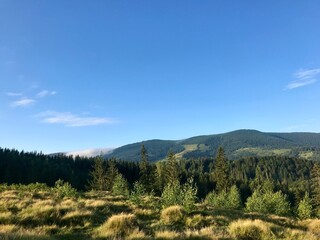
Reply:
x=86, y=74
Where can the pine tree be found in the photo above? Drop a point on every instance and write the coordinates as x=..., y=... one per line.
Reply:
x=112, y=173
x=172, y=169
x=98, y=175
x=304, y=210
x=120, y=186
x=146, y=178
x=315, y=177
x=221, y=171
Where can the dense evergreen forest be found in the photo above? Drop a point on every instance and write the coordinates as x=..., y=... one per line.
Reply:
x=290, y=175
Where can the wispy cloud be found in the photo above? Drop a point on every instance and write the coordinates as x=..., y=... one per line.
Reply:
x=304, y=77
x=45, y=93
x=72, y=120
x=14, y=94
x=23, y=102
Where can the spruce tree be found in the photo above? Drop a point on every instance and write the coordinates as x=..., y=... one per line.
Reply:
x=172, y=169
x=221, y=171
x=98, y=175
x=112, y=173
x=146, y=178
x=315, y=183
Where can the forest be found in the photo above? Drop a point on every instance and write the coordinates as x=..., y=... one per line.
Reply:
x=282, y=186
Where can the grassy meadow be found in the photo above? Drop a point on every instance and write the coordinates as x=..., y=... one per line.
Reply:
x=44, y=214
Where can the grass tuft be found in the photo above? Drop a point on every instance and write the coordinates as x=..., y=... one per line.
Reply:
x=249, y=229
x=120, y=225
x=173, y=215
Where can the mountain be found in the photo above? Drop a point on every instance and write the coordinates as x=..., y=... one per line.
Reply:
x=240, y=143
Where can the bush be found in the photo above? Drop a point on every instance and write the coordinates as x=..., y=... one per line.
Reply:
x=138, y=191
x=175, y=194
x=189, y=195
x=64, y=189
x=171, y=194
x=249, y=230
x=304, y=210
x=173, y=215
x=120, y=226
x=226, y=200
x=268, y=203
x=120, y=186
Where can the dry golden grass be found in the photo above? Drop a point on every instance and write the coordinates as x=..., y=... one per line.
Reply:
x=95, y=203
x=173, y=215
x=120, y=225
x=36, y=214
x=199, y=221
x=249, y=229
x=206, y=233
x=167, y=235
x=77, y=214
x=6, y=216
x=313, y=225
x=299, y=235
x=7, y=228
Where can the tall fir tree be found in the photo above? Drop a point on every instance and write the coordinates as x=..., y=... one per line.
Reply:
x=146, y=178
x=172, y=169
x=221, y=171
x=112, y=172
x=98, y=175
x=315, y=184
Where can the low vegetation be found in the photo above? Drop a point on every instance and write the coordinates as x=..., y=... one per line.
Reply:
x=43, y=214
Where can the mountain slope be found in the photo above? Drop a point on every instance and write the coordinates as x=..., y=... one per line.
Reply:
x=237, y=144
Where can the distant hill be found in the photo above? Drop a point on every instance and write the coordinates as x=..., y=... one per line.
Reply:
x=240, y=143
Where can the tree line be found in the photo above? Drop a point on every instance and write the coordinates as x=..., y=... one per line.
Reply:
x=285, y=181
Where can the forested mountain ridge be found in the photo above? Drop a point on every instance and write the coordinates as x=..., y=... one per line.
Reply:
x=240, y=143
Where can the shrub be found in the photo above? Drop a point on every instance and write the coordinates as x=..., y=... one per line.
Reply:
x=138, y=191
x=268, y=202
x=120, y=226
x=175, y=194
x=234, y=198
x=171, y=194
x=120, y=186
x=64, y=189
x=173, y=215
x=304, y=210
x=226, y=200
x=189, y=195
x=249, y=230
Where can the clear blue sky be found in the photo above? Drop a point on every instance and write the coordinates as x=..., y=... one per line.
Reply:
x=84, y=74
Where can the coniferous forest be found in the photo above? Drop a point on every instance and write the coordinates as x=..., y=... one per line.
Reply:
x=282, y=186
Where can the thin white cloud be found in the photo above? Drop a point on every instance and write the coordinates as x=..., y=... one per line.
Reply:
x=45, y=93
x=14, y=94
x=307, y=74
x=303, y=78
x=23, y=102
x=72, y=120
x=297, y=84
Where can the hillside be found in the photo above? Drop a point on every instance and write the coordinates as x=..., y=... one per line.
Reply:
x=240, y=143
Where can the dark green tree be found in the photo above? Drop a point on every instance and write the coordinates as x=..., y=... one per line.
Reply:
x=221, y=171
x=315, y=184
x=146, y=171
x=112, y=172
x=98, y=175
x=172, y=169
